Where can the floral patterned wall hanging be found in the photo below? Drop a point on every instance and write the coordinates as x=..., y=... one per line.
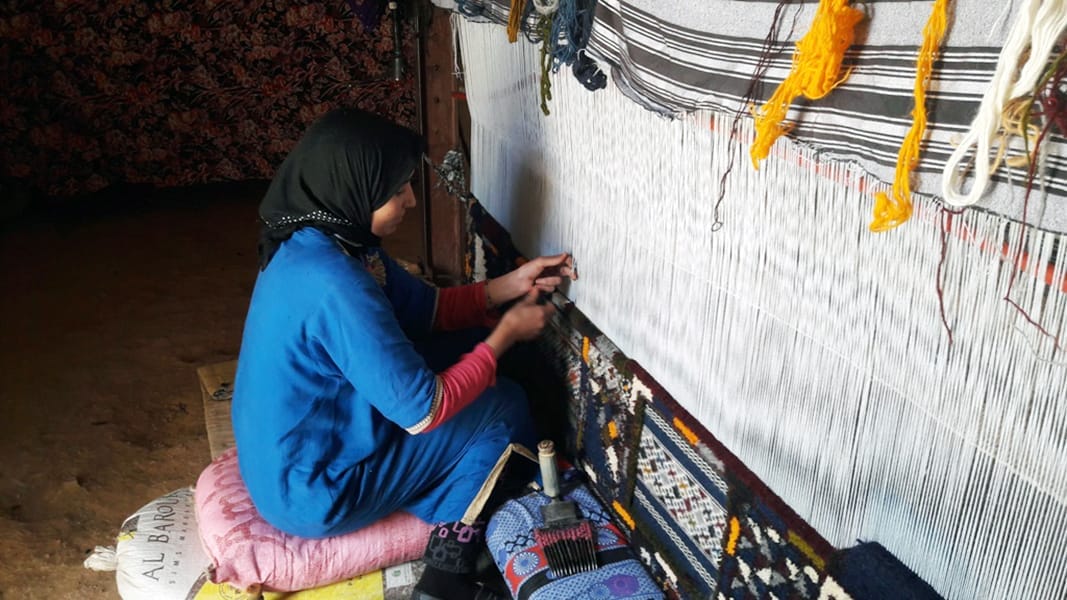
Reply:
x=174, y=93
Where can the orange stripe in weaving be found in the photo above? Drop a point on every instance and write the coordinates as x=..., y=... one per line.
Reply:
x=625, y=516
x=735, y=533
x=806, y=549
x=685, y=431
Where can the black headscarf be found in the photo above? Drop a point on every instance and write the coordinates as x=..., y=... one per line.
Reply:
x=348, y=164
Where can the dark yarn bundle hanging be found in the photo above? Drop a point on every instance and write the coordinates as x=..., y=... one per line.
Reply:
x=571, y=29
x=470, y=8
x=544, y=33
x=563, y=31
x=369, y=12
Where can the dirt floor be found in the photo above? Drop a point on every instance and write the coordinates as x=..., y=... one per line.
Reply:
x=105, y=315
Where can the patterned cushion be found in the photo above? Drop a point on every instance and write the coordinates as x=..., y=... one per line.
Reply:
x=511, y=541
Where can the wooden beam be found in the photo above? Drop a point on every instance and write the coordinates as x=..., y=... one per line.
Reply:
x=445, y=234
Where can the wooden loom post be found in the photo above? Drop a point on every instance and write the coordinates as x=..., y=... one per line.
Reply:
x=444, y=217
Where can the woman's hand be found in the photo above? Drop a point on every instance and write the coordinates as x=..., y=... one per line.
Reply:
x=522, y=322
x=543, y=273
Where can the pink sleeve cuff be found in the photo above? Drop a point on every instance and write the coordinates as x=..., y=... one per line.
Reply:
x=460, y=384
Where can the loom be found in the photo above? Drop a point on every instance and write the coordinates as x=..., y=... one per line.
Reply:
x=816, y=351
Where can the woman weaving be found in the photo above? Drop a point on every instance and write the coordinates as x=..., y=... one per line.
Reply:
x=346, y=407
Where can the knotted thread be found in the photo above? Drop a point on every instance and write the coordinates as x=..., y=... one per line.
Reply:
x=889, y=212
x=769, y=51
x=816, y=63
x=1051, y=83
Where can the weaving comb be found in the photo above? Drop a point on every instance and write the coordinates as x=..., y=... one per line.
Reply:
x=566, y=537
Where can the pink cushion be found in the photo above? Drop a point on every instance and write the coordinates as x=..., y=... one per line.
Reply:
x=248, y=552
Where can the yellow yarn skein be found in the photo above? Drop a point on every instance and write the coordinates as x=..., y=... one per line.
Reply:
x=816, y=63
x=890, y=212
x=515, y=19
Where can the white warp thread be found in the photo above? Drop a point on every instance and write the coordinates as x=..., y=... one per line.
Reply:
x=810, y=347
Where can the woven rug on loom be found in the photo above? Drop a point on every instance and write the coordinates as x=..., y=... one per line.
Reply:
x=604, y=406
x=701, y=506
x=678, y=515
x=701, y=522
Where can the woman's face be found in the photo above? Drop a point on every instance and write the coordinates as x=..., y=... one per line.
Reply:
x=388, y=216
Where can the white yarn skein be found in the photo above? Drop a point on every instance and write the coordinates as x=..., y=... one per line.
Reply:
x=546, y=7
x=1045, y=31
x=1037, y=28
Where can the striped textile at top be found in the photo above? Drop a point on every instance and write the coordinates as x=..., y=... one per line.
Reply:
x=678, y=57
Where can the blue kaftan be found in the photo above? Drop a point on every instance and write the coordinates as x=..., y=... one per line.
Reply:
x=328, y=383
